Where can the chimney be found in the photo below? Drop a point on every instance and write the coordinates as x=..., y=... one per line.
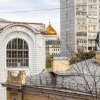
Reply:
x=60, y=64
x=16, y=77
x=97, y=56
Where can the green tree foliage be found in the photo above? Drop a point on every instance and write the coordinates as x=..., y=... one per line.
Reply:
x=81, y=56
x=48, y=61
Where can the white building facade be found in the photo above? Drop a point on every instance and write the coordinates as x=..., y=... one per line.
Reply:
x=22, y=47
x=79, y=25
x=52, y=47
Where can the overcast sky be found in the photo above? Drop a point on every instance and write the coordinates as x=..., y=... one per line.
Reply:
x=34, y=16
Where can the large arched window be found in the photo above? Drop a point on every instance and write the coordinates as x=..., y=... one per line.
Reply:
x=17, y=53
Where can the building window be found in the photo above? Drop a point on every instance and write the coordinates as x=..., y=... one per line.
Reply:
x=17, y=53
x=14, y=96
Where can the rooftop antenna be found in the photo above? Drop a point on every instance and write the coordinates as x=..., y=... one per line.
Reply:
x=49, y=21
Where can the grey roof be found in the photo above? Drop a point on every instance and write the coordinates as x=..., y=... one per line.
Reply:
x=52, y=42
x=42, y=79
x=83, y=66
x=58, y=57
x=3, y=20
x=82, y=77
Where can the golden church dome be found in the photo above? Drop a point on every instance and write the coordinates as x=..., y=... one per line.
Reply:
x=50, y=30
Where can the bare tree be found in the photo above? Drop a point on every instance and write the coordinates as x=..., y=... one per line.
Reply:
x=84, y=77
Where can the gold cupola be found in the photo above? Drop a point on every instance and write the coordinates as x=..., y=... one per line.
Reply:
x=50, y=30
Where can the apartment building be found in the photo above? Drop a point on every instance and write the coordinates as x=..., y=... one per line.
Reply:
x=79, y=25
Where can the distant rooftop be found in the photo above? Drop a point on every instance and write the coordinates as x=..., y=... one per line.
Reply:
x=3, y=20
x=52, y=42
x=18, y=22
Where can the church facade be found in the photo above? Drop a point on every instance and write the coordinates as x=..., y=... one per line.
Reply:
x=52, y=41
x=22, y=48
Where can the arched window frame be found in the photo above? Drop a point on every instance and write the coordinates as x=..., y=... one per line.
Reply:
x=17, y=53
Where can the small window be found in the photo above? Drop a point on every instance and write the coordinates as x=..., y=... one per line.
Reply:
x=14, y=96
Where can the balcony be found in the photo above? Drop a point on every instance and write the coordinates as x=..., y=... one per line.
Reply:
x=81, y=30
x=91, y=44
x=81, y=37
x=92, y=37
x=92, y=3
x=92, y=31
x=82, y=10
x=92, y=10
x=92, y=23
x=81, y=3
x=82, y=44
x=81, y=16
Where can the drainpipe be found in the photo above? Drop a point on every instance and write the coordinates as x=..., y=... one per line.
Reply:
x=22, y=90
